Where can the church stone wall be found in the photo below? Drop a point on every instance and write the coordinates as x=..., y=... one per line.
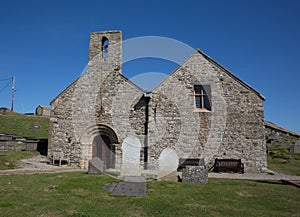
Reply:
x=232, y=129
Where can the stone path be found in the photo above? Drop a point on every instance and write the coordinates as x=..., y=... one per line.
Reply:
x=251, y=176
x=37, y=165
x=40, y=164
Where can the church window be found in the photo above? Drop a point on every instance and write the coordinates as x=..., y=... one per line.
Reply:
x=202, y=98
x=104, y=48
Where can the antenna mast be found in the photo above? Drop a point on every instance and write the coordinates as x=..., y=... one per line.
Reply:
x=13, y=93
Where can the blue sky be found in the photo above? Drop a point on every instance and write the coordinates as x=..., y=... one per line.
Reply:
x=45, y=44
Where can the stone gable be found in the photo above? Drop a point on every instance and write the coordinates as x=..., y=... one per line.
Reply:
x=103, y=102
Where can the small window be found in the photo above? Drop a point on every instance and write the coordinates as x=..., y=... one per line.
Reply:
x=104, y=48
x=202, y=98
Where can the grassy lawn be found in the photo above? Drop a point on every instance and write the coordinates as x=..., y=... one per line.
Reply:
x=289, y=165
x=10, y=159
x=21, y=125
x=80, y=194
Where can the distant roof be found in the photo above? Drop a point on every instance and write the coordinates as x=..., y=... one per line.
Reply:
x=275, y=127
x=44, y=107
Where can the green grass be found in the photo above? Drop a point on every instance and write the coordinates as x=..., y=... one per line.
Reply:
x=287, y=165
x=80, y=194
x=21, y=125
x=10, y=159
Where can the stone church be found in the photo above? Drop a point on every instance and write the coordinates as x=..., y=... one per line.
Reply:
x=201, y=110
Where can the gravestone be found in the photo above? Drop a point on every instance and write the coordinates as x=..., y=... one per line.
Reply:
x=201, y=162
x=110, y=186
x=131, y=148
x=131, y=186
x=297, y=147
x=96, y=166
x=195, y=174
x=168, y=163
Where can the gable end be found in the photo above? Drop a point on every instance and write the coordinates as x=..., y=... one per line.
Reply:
x=230, y=74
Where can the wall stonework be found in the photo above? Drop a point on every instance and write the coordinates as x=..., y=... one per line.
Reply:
x=102, y=98
x=279, y=138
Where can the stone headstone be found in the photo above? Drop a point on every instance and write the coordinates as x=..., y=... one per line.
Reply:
x=110, y=187
x=131, y=149
x=287, y=144
x=168, y=163
x=297, y=147
x=195, y=174
x=134, y=179
x=96, y=166
x=131, y=186
x=201, y=162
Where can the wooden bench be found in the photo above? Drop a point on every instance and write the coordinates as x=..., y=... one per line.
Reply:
x=228, y=165
x=183, y=162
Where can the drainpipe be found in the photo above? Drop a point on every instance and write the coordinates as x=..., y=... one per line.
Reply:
x=147, y=96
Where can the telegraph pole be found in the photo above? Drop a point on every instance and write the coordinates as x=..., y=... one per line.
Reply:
x=13, y=93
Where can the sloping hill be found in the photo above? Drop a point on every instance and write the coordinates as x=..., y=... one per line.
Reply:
x=23, y=125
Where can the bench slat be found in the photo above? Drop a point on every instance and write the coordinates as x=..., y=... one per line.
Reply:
x=183, y=162
x=228, y=165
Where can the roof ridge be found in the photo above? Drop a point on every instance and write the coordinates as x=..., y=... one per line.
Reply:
x=230, y=73
x=274, y=126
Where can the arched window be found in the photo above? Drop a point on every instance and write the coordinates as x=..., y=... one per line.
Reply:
x=104, y=47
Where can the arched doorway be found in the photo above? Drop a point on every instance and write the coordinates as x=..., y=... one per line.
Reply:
x=103, y=148
x=101, y=141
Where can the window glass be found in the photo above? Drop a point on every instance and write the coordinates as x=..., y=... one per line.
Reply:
x=207, y=103
x=197, y=90
x=198, y=102
x=202, y=97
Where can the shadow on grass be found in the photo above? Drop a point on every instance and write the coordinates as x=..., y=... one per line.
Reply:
x=272, y=182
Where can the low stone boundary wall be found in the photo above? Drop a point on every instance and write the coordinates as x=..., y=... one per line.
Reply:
x=10, y=142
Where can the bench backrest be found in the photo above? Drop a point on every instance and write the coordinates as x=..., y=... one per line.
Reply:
x=183, y=162
x=231, y=165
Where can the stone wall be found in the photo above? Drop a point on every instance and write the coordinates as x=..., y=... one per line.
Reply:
x=233, y=129
x=104, y=97
x=10, y=142
x=278, y=138
x=96, y=98
x=43, y=111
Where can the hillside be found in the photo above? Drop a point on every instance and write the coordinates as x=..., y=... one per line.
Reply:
x=24, y=125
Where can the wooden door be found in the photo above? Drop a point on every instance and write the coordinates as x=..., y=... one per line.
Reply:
x=102, y=148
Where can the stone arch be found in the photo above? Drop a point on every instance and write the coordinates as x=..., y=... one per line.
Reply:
x=104, y=47
x=94, y=130
x=99, y=140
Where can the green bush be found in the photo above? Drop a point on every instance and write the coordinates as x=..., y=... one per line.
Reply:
x=283, y=153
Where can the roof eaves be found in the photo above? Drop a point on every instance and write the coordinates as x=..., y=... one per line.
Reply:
x=230, y=74
x=274, y=126
x=64, y=90
x=175, y=70
x=128, y=80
